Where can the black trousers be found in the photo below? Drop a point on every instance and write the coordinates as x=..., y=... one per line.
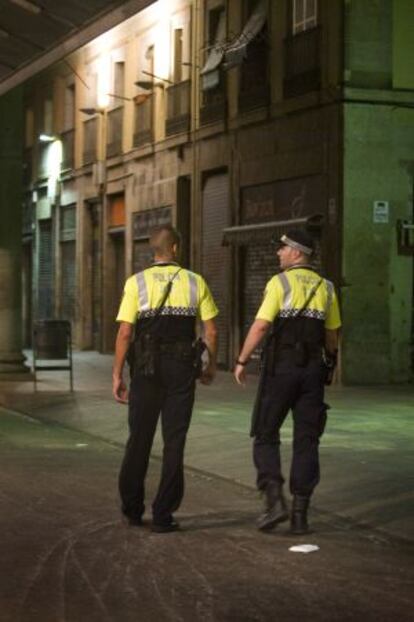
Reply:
x=171, y=393
x=300, y=389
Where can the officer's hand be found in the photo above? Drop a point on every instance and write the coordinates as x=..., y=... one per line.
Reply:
x=208, y=374
x=240, y=374
x=119, y=390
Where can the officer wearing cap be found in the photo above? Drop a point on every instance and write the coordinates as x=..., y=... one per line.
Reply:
x=163, y=302
x=301, y=308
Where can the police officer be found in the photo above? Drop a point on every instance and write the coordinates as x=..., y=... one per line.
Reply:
x=302, y=309
x=169, y=387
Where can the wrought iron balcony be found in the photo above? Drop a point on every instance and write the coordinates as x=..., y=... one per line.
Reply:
x=68, y=149
x=302, y=63
x=115, y=130
x=254, y=83
x=143, y=124
x=178, y=108
x=213, y=106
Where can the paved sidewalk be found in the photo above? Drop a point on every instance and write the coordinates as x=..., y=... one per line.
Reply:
x=366, y=451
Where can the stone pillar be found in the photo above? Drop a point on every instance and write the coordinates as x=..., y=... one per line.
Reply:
x=11, y=152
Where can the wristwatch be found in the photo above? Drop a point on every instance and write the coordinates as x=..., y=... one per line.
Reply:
x=243, y=363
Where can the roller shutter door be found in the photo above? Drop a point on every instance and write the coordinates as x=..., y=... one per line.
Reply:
x=259, y=265
x=45, y=274
x=215, y=257
x=68, y=280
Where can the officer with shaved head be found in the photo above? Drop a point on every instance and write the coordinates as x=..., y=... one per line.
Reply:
x=158, y=313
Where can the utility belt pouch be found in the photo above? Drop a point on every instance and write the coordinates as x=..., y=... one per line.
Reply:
x=198, y=348
x=145, y=351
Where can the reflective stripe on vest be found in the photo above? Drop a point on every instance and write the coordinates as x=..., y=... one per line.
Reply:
x=193, y=289
x=142, y=292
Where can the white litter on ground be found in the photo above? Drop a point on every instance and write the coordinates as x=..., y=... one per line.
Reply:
x=304, y=548
x=81, y=444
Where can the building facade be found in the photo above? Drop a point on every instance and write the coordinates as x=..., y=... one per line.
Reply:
x=232, y=120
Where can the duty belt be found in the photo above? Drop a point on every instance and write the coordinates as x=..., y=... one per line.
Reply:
x=176, y=347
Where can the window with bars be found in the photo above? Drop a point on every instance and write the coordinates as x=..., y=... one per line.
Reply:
x=213, y=81
x=178, y=55
x=304, y=15
x=90, y=127
x=119, y=82
x=69, y=121
x=68, y=134
x=47, y=117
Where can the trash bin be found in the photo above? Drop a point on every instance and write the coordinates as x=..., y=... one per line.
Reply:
x=52, y=341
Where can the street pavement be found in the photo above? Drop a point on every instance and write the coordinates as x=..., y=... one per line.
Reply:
x=366, y=451
x=66, y=555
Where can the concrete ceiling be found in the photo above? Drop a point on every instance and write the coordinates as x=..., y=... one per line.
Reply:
x=37, y=33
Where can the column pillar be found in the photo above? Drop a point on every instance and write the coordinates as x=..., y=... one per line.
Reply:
x=11, y=153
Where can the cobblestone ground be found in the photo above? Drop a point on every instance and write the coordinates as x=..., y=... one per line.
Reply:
x=66, y=556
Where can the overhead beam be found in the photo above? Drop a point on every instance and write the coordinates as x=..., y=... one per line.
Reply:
x=73, y=42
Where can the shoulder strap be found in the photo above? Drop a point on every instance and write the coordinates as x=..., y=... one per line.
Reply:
x=165, y=295
x=310, y=297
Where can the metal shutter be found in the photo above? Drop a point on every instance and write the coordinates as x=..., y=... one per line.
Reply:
x=215, y=257
x=68, y=280
x=45, y=274
x=142, y=257
x=259, y=265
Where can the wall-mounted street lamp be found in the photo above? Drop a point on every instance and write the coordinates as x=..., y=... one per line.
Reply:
x=148, y=85
x=47, y=138
x=92, y=111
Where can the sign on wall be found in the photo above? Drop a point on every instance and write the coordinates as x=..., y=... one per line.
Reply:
x=283, y=199
x=381, y=212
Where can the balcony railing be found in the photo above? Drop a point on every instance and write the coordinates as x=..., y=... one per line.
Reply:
x=178, y=108
x=68, y=149
x=254, y=85
x=302, y=63
x=90, y=128
x=213, y=106
x=115, y=127
x=143, y=125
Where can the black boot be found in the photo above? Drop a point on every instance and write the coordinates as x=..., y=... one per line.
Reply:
x=299, y=518
x=275, y=509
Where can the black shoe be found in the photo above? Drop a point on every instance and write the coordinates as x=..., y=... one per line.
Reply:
x=276, y=508
x=299, y=517
x=165, y=527
x=135, y=520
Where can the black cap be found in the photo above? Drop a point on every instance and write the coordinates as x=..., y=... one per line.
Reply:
x=297, y=238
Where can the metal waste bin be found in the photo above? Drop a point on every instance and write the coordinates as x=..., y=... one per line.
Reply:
x=52, y=341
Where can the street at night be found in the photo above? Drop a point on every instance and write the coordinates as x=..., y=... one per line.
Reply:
x=68, y=556
x=206, y=310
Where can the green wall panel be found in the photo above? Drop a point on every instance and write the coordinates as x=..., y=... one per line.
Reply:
x=378, y=283
x=403, y=44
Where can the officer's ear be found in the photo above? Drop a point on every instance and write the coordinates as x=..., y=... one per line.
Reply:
x=176, y=250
